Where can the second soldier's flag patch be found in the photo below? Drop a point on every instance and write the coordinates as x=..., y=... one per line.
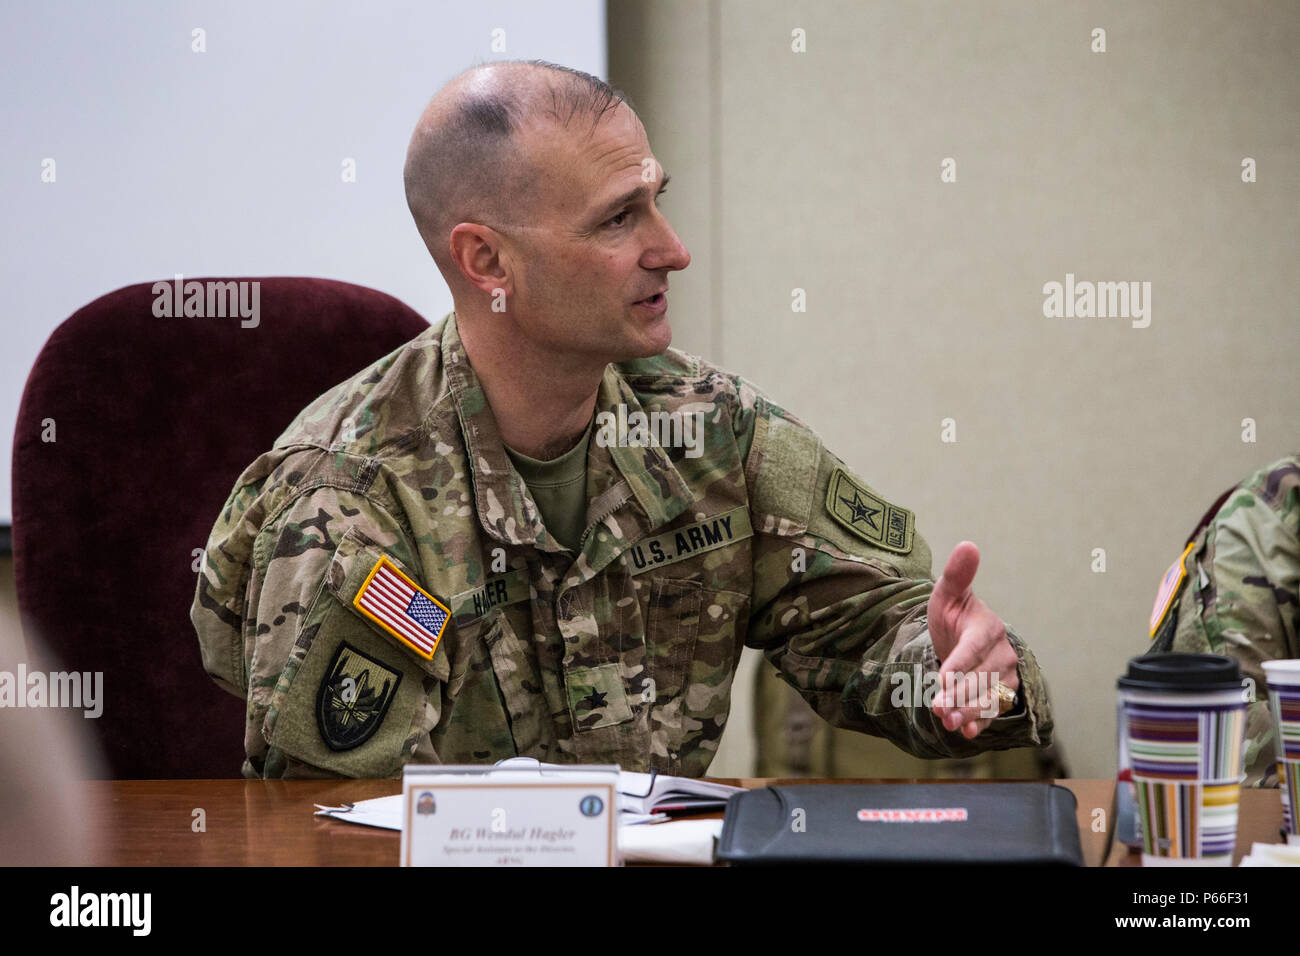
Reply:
x=402, y=608
x=1170, y=585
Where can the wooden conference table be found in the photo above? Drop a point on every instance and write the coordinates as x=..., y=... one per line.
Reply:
x=271, y=822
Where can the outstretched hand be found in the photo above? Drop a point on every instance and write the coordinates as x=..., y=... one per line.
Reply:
x=970, y=641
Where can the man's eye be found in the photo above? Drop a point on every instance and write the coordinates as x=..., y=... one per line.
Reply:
x=621, y=217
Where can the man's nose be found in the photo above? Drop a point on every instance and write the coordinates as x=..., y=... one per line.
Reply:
x=667, y=251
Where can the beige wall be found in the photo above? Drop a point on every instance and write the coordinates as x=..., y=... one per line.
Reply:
x=821, y=171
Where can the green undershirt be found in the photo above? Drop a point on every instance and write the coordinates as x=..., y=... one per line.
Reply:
x=559, y=487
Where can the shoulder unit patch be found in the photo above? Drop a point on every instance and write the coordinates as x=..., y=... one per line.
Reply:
x=353, y=698
x=869, y=516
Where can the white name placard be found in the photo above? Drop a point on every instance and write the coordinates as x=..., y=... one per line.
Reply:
x=510, y=816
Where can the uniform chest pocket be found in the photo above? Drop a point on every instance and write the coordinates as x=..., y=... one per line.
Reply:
x=692, y=638
x=672, y=626
x=494, y=702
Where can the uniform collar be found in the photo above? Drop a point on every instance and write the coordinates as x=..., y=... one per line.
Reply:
x=648, y=472
x=617, y=475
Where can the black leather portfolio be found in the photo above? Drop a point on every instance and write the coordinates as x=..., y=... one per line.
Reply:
x=922, y=823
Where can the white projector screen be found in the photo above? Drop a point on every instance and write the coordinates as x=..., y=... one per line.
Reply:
x=229, y=160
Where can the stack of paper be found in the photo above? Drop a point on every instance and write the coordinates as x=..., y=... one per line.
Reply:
x=681, y=841
x=1271, y=854
x=643, y=798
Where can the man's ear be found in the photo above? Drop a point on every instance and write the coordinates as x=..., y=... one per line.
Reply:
x=476, y=250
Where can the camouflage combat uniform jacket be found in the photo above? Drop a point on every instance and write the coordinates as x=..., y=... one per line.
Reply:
x=1239, y=595
x=625, y=654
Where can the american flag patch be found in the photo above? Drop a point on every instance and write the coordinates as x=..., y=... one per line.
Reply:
x=402, y=608
x=1168, y=588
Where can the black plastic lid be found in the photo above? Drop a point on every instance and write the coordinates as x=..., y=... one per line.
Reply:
x=1182, y=673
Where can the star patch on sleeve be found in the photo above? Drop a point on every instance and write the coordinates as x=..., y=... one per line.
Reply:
x=870, y=517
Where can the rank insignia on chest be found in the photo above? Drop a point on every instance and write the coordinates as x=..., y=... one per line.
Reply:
x=353, y=698
x=402, y=608
x=871, y=518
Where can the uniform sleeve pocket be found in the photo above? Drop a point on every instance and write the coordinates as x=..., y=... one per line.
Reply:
x=350, y=698
x=353, y=705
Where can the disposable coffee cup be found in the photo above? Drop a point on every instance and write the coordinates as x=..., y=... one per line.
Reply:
x=1184, y=718
x=1283, y=679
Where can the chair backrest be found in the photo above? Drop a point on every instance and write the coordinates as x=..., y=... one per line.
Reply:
x=132, y=430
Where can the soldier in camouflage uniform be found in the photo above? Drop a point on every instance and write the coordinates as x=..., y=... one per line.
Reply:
x=1236, y=591
x=620, y=643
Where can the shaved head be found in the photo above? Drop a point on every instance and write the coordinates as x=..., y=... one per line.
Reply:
x=469, y=160
x=537, y=194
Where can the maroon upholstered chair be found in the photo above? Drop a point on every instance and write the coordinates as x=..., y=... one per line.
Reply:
x=132, y=430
